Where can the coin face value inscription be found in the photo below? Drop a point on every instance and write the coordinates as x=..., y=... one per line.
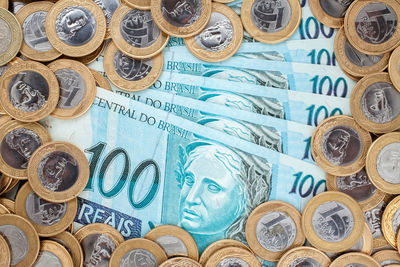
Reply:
x=18, y=242
x=131, y=69
x=228, y=262
x=373, y=218
x=271, y=15
x=137, y=257
x=388, y=163
x=181, y=13
x=72, y=88
x=43, y=212
x=97, y=249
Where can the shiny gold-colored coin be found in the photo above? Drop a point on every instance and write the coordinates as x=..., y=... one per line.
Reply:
x=233, y=256
x=9, y=204
x=5, y=182
x=220, y=244
x=13, y=184
x=212, y=47
x=371, y=26
x=4, y=4
x=77, y=88
x=48, y=218
x=330, y=209
x=385, y=257
x=394, y=68
x=330, y=13
x=97, y=235
x=53, y=254
x=21, y=238
x=76, y=28
x=174, y=241
x=139, y=4
x=11, y=36
x=29, y=91
x=32, y=18
x=354, y=62
x=382, y=163
x=5, y=252
x=4, y=210
x=391, y=221
x=261, y=225
x=374, y=103
x=58, y=171
x=181, y=262
x=339, y=145
x=304, y=255
x=271, y=23
x=18, y=141
x=101, y=81
x=355, y=259
x=72, y=245
x=181, y=19
x=137, y=40
x=128, y=73
x=91, y=57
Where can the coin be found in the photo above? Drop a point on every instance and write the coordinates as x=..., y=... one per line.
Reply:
x=339, y=145
x=181, y=18
x=32, y=18
x=331, y=222
x=371, y=25
x=52, y=254
x=355, y=259
x=101, y=81
x=394, y=68
x=354, y=62
x=128, y=73
x=108, y=7
x=11, y=40
x=271, y=22
x=223, y=1
x=224, y=243
x=139, y=4
x=331, y=13
x=5, y=182
x=272, y=228
x=135, y=34
x=232, y=256
x=58, y=171
x=391, y=221
x=77, y=88
x=4, y=210
x=72, y=245
x=304, y=256
x=382, y=165
x=4, y=4
x=180, y=262
x=29, y=91
x=91, y=57
x=385, y=257
x=8, y=203
x=174, y=241
x=5, y=252
x=76, y=28
x=98, y=242
x=14, y=183
x=21, y=238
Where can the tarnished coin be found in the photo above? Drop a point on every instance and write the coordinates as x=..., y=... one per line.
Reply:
x=48, y=218
x=135, y=33
x=98, y=242
x=128, y=73
x=220, y=244
x=181, y=262
x=271, y=21
x=29, y=91
x=355, y=259
x=394, y=68
x=36, y=45
x=18, y=141
x=232, y=256
x=304, y=256
x=220, y=39
x=331, y=222
x=76, y=28
x=139, y=4
x=339, y=145
x=22, y=239
x=181, y=18
x=330, y=12
x=52, y=254
x=4, y=210
x=273, y=228
x=391, y=221
x=72, y=245
x=91, y=57
x=101, y=81
x=174, y=241
x=5, y=252
x=108, y=7
x=385, y=257
x=371, y=25
x=11, y=36
x=9, y=204
x=77, y=88
x=354, y=62
x=58, y=171
x=383, y=163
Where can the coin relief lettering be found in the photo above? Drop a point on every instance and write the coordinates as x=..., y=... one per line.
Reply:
x=373, y=218
x=97, y=249
x=43, y=212
x=181, y=13
x=271, y=15
x=72, y=88
x=131, y=69
x=138, y=257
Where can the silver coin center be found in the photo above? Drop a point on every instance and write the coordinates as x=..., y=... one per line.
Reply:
x=359, y=58
x=137, y=258
x=5, y=36
x=237, y=262
x=97, y=249
x=357, y=185
x=17, y=240
x=72, y=88
x=388, y=163
x=172, y=245
x=34, y=31
x=131, y=69
x=181, y=13
x=373, y=218
x=335, y=8
x=304, y=261
x=271, y=15
x=43, y=212
x=108, y=7
x=47, y=259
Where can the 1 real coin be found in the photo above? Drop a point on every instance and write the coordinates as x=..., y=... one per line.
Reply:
x=72, y=245
x=181, y=262
x=135, y=34
x=262, y=229
x=53, y=254
x=220, y=244
x=5, y=252
x=58, y=171
x=181, y=18
x=394, y=68
x=139, y=4
x=340, y=145
x=371, y=25
x=29, y=91
x=101, y=81
x=220, y=39
x=76, y=28
x=271, y=22
x=385, y=257
x=306, y=256
x=330, y=13
x=174, y=241
x=233, y=256
x=391, y=221
x=128, y=73
x=108, y=7
x=11, y=40
x=355, y=259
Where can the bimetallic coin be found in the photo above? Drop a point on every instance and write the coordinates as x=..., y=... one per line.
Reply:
x=36, y=45
x=108, y=7
x=220, y=244
x=174, y=241
x=101, y=81
x=355, y=259
x=139, y=4
x=10, y=36
x=385, y=257
x=394, y=68
x=135, y=33
x=91, y=57
x=273, y=228
x=76, y=28
x=18, y=141
x=371, y=26
x=304, y=256
x=383, y=163
x=128, y=73
x=233, y=256
x=58, y=171
x=330, y=12
x=181, y=262
x=52, y=254
x=9, y=204
x=391, y=221
x=71, y=244
x=98, y=243
x=339, y=145
x=22, y=239
x=181, y=18
x=354, y=62
x=220, y=39
x=271, y=21
x=373, y=218
x=5, y=252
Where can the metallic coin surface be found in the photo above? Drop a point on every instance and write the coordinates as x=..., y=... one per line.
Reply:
x=91, y=57
x=220, y=244
x=101, y=81
x=71, y=244
x=139, y=4
x=181, y=262
x=385, y=257
x=355, y=259
x=394, y=68
x=304, y=256
x=108, y=7
x=233, y=256
x=9, y=204
x=3, y=210
x=339, y=145
x=5, y=252
x=58, y=171
x=52, y=254
x=330, y=12
x=10, y=36
x=11, y=186
x=391, y=221
x=5, y=182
